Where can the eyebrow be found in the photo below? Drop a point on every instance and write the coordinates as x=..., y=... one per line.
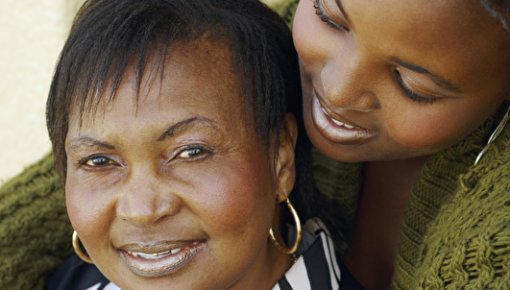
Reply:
x=89, y=142
x=169, y=132
x=186, y=123
x=341, y=7
x=439, y=80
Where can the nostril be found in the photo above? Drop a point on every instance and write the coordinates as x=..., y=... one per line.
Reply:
x=136, y=212
x=349, y=84
x=355, y=101
x=168, y=204
x=368, y=101
x=148, y=208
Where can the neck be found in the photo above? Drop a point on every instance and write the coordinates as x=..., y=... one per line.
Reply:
x=396, y=176
x=385, y=196
x=268, y=269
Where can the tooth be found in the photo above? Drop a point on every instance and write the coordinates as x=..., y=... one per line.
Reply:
x=348, y=126
x=148, y=256
x=338, y=122
x=175, y=251
x=142, y=255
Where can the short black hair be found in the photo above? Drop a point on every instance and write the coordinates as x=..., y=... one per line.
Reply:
x=108, y=35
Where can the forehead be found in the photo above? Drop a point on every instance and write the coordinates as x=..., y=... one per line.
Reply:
x=456, y=38
x=188, y=74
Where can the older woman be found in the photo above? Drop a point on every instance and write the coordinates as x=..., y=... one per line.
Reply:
x=171, y=136
x=170, y=133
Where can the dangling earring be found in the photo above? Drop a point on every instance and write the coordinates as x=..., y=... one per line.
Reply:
x=292, y=249
x=494, y=135
x=78, y=250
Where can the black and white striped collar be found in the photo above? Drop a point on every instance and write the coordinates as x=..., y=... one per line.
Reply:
x=316, y=267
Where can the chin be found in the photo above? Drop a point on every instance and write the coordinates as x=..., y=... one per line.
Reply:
x=366, y=152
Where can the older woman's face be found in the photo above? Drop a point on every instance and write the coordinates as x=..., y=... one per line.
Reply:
x=175, y=191
x=394, y=79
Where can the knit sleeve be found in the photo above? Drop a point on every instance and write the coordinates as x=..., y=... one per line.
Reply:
x=35, y=233
x=285, y=8
x=468, y=244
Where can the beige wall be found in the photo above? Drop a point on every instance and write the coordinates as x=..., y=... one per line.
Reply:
x=31, y=36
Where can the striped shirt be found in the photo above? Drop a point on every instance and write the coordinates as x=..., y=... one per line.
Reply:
x=316, y=267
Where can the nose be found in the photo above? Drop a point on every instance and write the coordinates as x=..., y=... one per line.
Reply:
x=146, y=200
x=347, y=81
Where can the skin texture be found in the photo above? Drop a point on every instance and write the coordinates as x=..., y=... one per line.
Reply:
x=181, y=164
x=359, y=60
x=353, y=72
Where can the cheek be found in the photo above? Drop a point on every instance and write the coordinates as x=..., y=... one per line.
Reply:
x=427, y=128
x=303, y=30
x=235, y=202
x=89, y=211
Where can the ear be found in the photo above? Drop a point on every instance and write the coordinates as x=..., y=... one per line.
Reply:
x=285, y=160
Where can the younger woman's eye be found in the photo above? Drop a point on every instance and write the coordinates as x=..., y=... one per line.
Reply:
x=325, y=18
x=412, y=94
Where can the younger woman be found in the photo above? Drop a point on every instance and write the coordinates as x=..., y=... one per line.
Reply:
x=407, y=94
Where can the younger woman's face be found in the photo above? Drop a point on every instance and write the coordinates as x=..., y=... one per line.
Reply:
x=394, y=79
x=175, y=190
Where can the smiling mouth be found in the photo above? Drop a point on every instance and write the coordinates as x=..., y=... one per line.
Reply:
x=160, y=259
x=337, y=131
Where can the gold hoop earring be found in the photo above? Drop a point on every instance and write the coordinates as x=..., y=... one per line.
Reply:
x=292, y=249
x=78, y=250
x=494, y=135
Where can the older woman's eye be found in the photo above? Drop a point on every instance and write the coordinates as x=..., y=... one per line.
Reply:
x=97, y=161
x=193, y=152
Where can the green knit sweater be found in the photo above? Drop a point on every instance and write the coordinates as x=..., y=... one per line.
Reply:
x=35, y=233
x=456, y=229
x=455, y=233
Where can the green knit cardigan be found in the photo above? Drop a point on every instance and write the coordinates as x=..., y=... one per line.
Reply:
x=455, y=233
x=456, y=229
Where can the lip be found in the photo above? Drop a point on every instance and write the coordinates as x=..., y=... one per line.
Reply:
x=341, y=131
x=160, y=259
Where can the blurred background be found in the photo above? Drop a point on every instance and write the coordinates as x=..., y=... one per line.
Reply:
x=31, y=36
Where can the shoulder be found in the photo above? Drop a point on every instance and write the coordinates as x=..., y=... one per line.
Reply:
x=468, y=244
x=285, y=8
x=35, y=234
x=76, y=274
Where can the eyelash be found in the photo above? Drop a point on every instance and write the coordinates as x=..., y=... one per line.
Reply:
x=324, y=18
x=106, y=161
x=408, y=92
x=203, y=152
x=411, y=94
